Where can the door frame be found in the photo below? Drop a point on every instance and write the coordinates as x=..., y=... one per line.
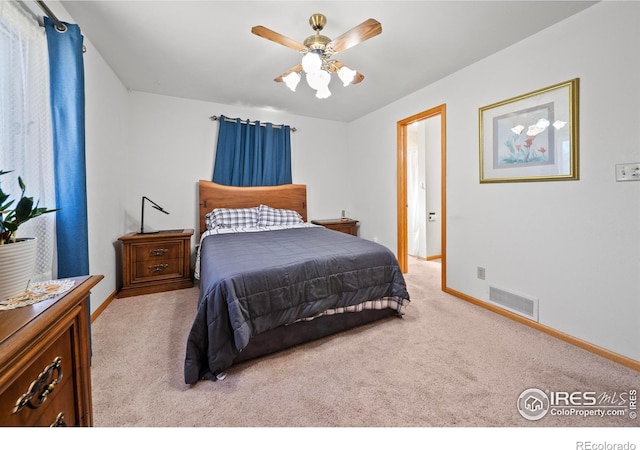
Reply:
x=403, y=256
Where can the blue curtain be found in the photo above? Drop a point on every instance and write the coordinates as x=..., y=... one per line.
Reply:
x=66, y=73
x=251, y=154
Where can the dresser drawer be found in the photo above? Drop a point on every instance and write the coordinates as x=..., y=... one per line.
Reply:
x=59, y=407
x=45, y=366
x=44, y=388
x=157, y=251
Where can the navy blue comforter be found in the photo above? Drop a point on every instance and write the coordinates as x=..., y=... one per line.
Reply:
x=253, y=282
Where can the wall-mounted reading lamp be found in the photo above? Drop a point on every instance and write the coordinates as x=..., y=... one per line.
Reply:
x=156, y=206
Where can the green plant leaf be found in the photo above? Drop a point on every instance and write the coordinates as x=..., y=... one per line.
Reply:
x=11, y=219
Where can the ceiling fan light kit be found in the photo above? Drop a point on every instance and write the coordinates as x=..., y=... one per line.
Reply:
x=317, y=51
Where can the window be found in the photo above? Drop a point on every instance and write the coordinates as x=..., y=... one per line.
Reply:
x=25, y=124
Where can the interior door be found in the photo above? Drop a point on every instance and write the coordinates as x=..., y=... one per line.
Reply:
x=403, y=136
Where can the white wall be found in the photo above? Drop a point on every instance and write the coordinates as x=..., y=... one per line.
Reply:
x=416, y=190
x=572, y=244
x=433, y=165
x=106, y=150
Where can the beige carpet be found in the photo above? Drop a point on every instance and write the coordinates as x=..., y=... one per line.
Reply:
x=448, y=363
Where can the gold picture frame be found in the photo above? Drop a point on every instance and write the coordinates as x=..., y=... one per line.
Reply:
x=532, y=137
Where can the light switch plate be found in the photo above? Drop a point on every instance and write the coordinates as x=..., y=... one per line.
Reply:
x=628, y=172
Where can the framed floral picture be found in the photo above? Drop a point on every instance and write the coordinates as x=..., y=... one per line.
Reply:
x=533, y=137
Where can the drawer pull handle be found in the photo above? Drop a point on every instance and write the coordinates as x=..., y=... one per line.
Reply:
x=41, y=387
x=158, y=251
x=158, y=267
x=59, y=422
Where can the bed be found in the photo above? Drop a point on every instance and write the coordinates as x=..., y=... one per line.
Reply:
x=270, y=280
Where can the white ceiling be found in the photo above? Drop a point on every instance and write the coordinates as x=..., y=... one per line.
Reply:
x=205, y=50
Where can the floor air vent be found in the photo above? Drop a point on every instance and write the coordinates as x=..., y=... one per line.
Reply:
x=524, y=306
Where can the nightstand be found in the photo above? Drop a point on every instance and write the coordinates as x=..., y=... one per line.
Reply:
x=155, y=262
x=348, y=226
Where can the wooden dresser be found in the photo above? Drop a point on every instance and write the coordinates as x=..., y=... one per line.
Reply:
x=348, y=226
x=155, y=262
x=45, y=361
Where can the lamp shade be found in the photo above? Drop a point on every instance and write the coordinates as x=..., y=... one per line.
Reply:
x=311, y=62
x=323, y=92
x=346, y=75
x=319, y=79
x=292, y=80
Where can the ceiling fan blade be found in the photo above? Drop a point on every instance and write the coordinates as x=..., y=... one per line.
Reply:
x=336, y=65
x=277, y=38
x=366, y=30
x=279, y=78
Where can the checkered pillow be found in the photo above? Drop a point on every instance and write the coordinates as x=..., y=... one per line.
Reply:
x=268, y=216
x=232, y=218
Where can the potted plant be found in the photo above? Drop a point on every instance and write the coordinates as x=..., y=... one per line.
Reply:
x=17, y=255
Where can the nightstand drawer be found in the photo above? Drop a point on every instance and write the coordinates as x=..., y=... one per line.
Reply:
x=348, y=226
x=159, y=269
x=157, y=251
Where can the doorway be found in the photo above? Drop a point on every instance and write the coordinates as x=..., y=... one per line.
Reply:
x=416, y=187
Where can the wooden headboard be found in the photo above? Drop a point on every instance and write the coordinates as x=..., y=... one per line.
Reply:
x=286, y=196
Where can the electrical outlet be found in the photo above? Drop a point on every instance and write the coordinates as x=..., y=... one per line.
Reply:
x=628, y=172
x=481, y=273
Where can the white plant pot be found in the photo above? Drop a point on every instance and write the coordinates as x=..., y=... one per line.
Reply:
x=17, y=262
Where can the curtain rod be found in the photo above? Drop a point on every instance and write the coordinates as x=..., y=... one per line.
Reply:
x=293, y=129
x=59, y=25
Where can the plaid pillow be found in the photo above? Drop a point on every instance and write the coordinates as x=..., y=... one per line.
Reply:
x=232, y=218
x=268, y=216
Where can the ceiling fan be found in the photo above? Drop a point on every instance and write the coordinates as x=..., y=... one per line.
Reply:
x=317, y=62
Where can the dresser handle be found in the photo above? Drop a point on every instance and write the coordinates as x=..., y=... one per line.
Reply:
x=59, y=422
x=158, y=251
x=158, y=268
x=41, y=387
